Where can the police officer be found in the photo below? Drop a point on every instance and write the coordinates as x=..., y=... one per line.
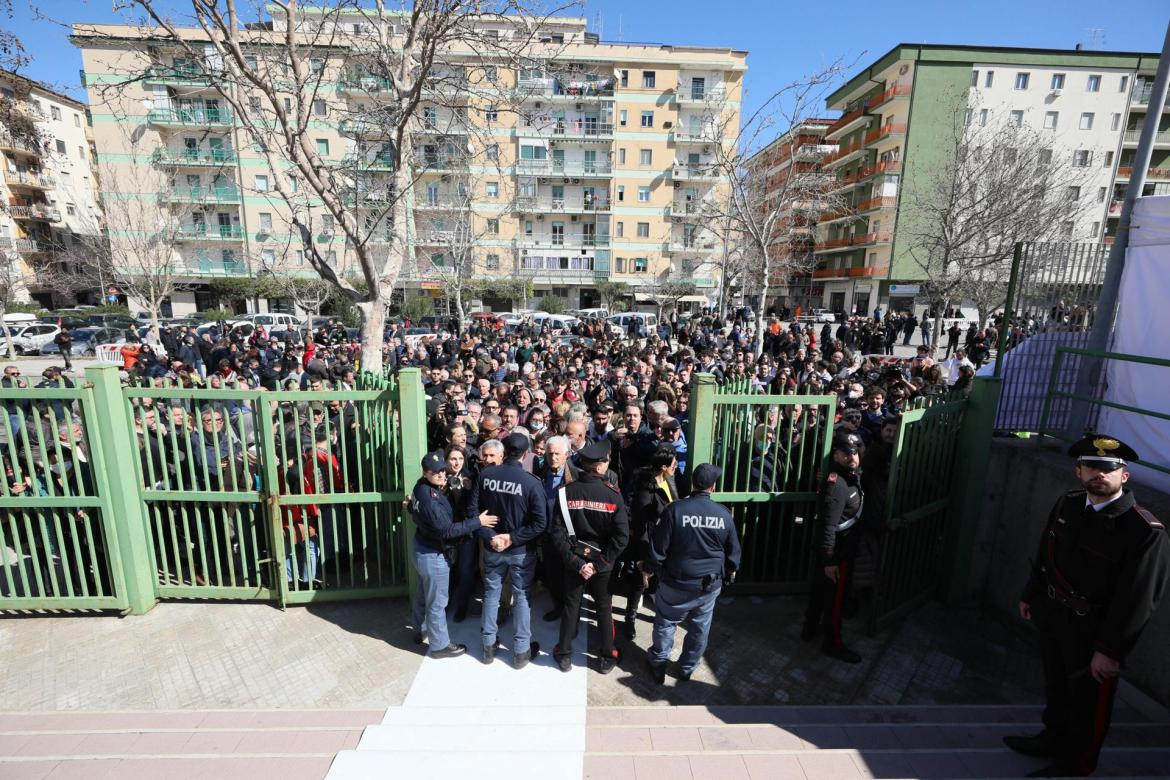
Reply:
x=1099, y=572
x=517, y=499
x=839, y=507
x=589, y=531
x=694, y=548
x=436, y=536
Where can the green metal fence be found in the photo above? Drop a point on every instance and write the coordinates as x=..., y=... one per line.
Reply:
x=212, y=494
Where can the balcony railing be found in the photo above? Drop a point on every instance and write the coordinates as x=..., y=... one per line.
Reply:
x=31, y=245
x=442, y=204
x=19, y=146
x=840, y=273
x=442, y=162
x=206, y=266
x=197, y=117
x=562, y=205
x=554, y=168
x=37, y=212
x=355, y=82
x=203, y=194
x=689, y=171
x=557, y=89
x=687, y=247
x=573, y=129
x=31, y=180
x=682, y=209
x=896, y=91
x=842, y=152
x=861, y=239
x=1133, y=136
x=687, y=137
x=185, y=76
x=1125, y=171
x=379, y=162
x=210, y=233
x=884, y=202
x=560, y=242
x=845, y=120
x=883, y=132
x=196, y=157
x=814, y=151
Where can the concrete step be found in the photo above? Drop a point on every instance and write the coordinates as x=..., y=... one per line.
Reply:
x=516, y=715
x=488, y=737
x=456, y=762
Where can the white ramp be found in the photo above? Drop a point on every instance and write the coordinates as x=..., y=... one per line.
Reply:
x=464, y=719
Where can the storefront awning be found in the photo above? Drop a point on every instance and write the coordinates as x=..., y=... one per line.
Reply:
x=693, y=299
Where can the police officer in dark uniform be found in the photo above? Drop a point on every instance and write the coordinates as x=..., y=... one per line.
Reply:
x=517, y=499
x=839, y=506
x=694, y=549
x=436, y=535
x=1099, y=572
x=589, y=530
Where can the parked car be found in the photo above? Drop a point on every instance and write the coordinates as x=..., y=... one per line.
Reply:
x=818, y=316
x=86, y=340
x=619, y=324
x=512, y=317
x=270, y=321
x=111, y=320
x=558, y=322
x=487, y=318
x=412, y=337
x=31, y=338
x=593, y=314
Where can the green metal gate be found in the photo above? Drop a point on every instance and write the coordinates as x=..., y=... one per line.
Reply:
x=770, y=449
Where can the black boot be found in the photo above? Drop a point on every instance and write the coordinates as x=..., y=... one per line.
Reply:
x=450, y=651
x=489, y=652
x=657, y=672
x=521, y=660
x=1041, y=744
x=564, y=660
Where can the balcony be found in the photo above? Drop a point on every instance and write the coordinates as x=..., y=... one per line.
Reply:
x=844, y=273
x=366, y=127
x=581, y=241
x=873, y=204
x=813, y=152
x=32, y=246
x=687, y=171
x=562, y=205
x=206, y=266
x=848, y=242
x=870, y=239
x=677, y=137
x=377, y=162
x=1131, y=137
x=846, y=123
x=687, y=247
x=435, y=237
x=190, y=117
x=209, y=233
x=183, y=76
x=549, y=270
x=38, y=212
x=885, y=131
x=442, y=204
x=353, y=82
x=598, y=169
x=195, y=158
x=442, y=162
x=1125, y=171
x=689, y=95
x=453, y=127
x=844, y=154
x=28, y=180
x=19, y=147
x=570, y=130
x=202, y=195
x=896, y=91
x=566, y=90
x=682, y=210
x=886, y=166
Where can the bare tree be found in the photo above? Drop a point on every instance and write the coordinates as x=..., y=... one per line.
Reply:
x=666, y=293
x=52, y=273
x=997, y=184
x=398, y=60
x=763, y=213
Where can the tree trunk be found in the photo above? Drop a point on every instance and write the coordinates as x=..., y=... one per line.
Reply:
x=459, y=312
x=760, y=313
x=7, y=336
x=373, y=327
x=936, y=332
x=152, y=333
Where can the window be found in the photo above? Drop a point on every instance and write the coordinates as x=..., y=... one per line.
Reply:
x=621, y=229
x=70, y=210
x=643, y=230
x=974, y=78
x=1022, y=80
x=1017, y=118
x=622, y=156
x=989, y=78
x=493, y=263
x=331, y=258
x=326, y=223
x=261, y=183
x=621, y=192
x=641, y=265
x=1044, y=157
x=268, y=257
x=491, y=114
x=647, y=119
x=967, y=117
x=1057, y=81
x=254, y=102
x=1108, y=159
x=1066, y=228
x=1101, y=191
x=316, y=65
x=622, y=117
x=323, y=147
x=1082, y=158
x=1094, y=83
x=60, y=146
x=77, y=120
x=648, y=79
x=265, y=222
x=643, y=194
x=1115, y=122
x=1050, y=119
x=1095, y=229
x=493, y=226
x=1073, y=193
x=81, y=153
x=983, y=114
x=287, y=105
x=492, y=152
x=55, y=112
x=645, y=157
x=1087, y=120
x=1123, y=83
x=294, y=184
x=319, y=108
x=492, y=189
x=491, y=74
x=620, y=264
x=625, y=76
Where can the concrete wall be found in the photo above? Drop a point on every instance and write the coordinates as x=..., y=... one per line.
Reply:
x=1023, y=483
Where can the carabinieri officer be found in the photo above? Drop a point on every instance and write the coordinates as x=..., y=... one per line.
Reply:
x=436, y=535
x=1100, y=570
x=694, y=548
x=517, y=499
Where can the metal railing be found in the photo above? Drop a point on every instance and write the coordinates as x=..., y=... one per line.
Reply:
x=210, y=232
x=190, y=116
x=1061, y=396
x=203, y=194
x=568, y=169
x=200, y=157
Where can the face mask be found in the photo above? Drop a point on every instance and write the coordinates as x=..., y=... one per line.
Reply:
x=536, y=427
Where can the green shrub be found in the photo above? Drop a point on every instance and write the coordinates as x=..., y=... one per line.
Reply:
x=551, y=304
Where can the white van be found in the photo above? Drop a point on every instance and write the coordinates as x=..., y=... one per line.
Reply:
x=16, y=316
x=556, y=321
x=593, y=314
x=272, y=322
x=620, y=323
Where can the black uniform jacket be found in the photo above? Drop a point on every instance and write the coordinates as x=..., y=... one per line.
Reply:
x=515, y=497
x=695, y=539
x=599, y=517
x=839, y=500
x=1114, y=564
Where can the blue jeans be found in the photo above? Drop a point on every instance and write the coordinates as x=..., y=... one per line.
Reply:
x=694, y=609
x=522, y=565
x=307, y=558
x=430, y=603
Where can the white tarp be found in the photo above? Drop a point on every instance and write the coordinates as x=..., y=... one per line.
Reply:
x=1143, y=322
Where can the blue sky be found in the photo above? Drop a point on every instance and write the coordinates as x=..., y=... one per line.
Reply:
x=785, y=39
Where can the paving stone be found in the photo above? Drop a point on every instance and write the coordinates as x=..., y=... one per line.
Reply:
x=662, y=768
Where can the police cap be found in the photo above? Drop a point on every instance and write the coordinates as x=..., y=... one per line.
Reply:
x=705, y=476
x=849, y=443
x=433, y=461
x=594, y=452
x=1102, y=452
x=515, y=445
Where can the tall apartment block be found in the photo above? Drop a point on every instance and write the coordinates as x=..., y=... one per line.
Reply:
x=584, y=179
x=50, y=192
x=897, y=112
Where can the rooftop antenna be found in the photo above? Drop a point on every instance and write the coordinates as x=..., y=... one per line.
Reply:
x=599, y=24
x=620, y=36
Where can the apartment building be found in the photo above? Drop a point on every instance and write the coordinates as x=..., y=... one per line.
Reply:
x=573, y=183
x=898, y=113
x=50, y=192
x=777, y=169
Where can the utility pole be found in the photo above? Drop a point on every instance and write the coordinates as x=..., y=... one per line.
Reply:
x=1088, y=379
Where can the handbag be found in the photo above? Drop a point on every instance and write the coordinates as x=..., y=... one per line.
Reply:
x=586, y=551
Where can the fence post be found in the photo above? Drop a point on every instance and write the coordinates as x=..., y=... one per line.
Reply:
x=967, y=496
x=412, y=428
x=702, y=432
x=129, y=520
